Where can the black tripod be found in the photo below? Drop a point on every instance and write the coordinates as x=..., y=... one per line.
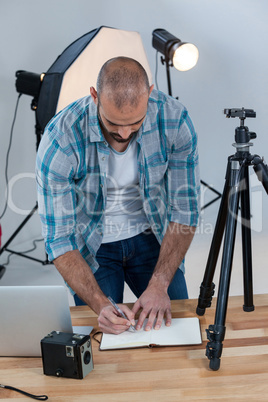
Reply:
x=236, y=188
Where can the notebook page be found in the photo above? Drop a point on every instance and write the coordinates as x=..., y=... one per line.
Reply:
x=127, y=339
x=183, y=331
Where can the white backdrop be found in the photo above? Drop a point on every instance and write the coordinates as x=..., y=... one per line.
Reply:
x=232, y=37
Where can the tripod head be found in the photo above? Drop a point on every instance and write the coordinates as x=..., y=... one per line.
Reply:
x=242, y=133
x=242, y=144
x=241, y=113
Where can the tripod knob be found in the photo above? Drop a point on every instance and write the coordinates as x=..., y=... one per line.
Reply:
x=252, y=135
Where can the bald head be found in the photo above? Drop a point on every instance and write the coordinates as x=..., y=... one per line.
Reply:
x=123, y=81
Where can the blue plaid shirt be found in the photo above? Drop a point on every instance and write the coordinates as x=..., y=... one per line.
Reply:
x=71, y=174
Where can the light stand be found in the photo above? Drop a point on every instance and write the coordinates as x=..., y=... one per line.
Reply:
x=183, y=56
x=168, y=64
x=236, y=188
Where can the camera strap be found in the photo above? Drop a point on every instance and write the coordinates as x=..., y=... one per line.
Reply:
x=37, y=397
x=98, y=333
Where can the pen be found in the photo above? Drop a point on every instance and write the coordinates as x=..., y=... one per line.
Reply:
x=118, y=309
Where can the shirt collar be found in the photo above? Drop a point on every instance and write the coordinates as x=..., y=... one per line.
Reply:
x=96, y=134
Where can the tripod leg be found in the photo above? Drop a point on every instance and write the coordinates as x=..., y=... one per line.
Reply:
x=2, y=270
x=19, y=228
x=207, y=286
x=12, y=237
x=246, y=245
x=216, y=332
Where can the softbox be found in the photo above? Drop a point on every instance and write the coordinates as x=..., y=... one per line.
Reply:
x=76, y=69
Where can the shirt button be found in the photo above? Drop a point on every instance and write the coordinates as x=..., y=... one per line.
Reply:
x=103, y=158
x=101, y=185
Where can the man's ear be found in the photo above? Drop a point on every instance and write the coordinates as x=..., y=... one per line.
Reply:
x=151, y=88
x=94, y=95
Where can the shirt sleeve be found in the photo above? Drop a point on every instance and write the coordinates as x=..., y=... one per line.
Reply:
x=183, y=175
x=56, y=198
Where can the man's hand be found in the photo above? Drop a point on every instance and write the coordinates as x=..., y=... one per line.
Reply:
x=155, y=303
x=110, y=322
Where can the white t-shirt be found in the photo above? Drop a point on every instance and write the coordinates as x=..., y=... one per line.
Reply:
x=124, y=214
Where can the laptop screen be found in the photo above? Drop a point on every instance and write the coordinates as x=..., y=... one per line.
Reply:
x=27, y=314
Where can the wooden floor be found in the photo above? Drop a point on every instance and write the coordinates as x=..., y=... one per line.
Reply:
x=161, y=374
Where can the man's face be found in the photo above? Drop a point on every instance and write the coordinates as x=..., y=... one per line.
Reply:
x=121, y=125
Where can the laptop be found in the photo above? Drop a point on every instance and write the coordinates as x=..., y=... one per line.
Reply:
x=28, y=314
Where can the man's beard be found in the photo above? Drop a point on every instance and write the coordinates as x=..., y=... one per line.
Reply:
x=117, y=137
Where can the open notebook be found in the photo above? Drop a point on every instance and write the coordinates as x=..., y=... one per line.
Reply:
x=183, y=331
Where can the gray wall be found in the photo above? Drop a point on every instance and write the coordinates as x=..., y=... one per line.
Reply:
x=232, y=37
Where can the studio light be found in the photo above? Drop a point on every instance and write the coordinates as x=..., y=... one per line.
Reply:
x=182, y=55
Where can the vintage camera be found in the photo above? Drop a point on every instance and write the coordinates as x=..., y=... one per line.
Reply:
x=66, y=355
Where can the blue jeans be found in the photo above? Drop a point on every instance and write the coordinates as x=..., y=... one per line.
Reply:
x=132, y=261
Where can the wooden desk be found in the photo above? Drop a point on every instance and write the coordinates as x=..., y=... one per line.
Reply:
x=161, y=374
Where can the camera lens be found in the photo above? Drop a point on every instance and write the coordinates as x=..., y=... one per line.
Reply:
x=87, y=357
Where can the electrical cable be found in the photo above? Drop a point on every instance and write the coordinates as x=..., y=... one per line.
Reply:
x=22, y=252
x=7, y=185
x=7, y=156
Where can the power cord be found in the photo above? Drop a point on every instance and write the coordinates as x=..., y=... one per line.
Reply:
x=8, y=152
x=7, y=185
x=22, y=252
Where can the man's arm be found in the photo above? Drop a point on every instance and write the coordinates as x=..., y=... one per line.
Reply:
x=76, y=272
x=155, y=301
x=57, y=206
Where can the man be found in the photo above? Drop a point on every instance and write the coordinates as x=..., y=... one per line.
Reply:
x=117, y=176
